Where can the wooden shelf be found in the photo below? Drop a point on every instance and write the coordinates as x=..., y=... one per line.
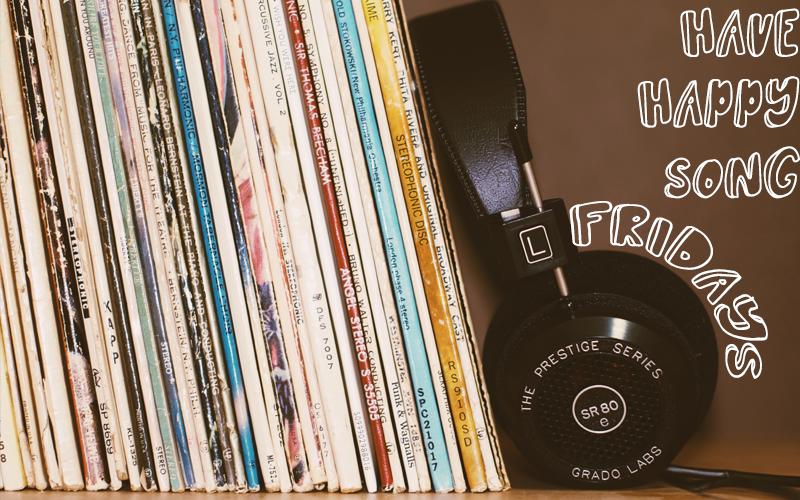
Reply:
x=767, y=453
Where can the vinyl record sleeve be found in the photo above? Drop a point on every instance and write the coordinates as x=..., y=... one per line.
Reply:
x=294, y=378
x=11, y=258
x=46, y=378
x=303, y=273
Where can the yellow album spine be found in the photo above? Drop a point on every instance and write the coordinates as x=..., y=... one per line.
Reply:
x=426, y=254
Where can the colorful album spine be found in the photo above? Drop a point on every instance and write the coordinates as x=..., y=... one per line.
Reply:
x=132, y=426
x=431, y=198
x=54, y=422
x=460, y=293
x=384, y=313
x=213, y=350
x=229, y=136
x=139, y=281
x=207, y=405
x=357, y=180
x=91, y=272
x=301, y=269
x=331, y=275
x=332, y=369
x=374, y=328
x=291, y=360
x=60, y=231
x=285, y=413
x=301, y=426
x=432, y=351
x=131, y=296
x=435, y=290
x=11, y=467
x=223, y=192
x=14, y=343
x=151, y=257
x=217, y=256
x=62, y=111
x=354, y=309
x=437, y=455
x=199, y=468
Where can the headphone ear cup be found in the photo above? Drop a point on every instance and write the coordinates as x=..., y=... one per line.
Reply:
x=613, y=285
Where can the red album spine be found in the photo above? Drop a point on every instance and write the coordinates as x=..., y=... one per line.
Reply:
x=340, y=249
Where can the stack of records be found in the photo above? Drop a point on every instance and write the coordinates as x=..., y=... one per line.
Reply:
x=225, y=261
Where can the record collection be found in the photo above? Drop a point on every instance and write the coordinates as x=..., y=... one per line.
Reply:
x=225, y=261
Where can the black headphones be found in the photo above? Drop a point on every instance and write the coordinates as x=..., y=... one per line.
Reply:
x=600, y=365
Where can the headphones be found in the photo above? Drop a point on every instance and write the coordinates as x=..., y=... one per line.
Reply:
x=600, y=364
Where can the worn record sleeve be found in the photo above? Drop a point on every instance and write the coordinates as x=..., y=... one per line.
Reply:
x=206, y=403
x=277, y=382
x=457, y=291
x=302, y=270
x=444, y=465
x=115, y=322
x=92, y=270
x=17, y=368
x=325, y=249
x=62, y=227
x=11, y=466
x=373, y=326
x=294, y=379
x=356, y=310
x=432, y=199
x=357, y=181
x=39, y=311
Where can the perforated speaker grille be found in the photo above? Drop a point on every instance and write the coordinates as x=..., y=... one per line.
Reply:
x=553, y=410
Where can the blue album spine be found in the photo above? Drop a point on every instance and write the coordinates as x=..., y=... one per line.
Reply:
x=109, y=80
x=441, y=475
x=146, y=251
x=178, y=65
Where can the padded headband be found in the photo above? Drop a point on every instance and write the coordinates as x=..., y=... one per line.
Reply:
x=472, y=86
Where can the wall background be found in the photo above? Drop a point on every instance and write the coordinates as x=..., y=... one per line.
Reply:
x=582, y=62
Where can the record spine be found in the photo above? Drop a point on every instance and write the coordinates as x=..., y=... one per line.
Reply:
x=91, y=273
x=138, y=276
x=331, y=276
x=53, y=414
x=216, y=261
x=429, y=266
x=128, y=275
x=437, y=455
x=101, y=238
x=302, y=270
x=65, y=263
x=169, y=171
x=432, y=198
x=14, y=343
x=198, y=465
x=223, y=191
x=322, y=159
x=373, y=327
x=357, y=180
x=291, y=375
x=151, y=258
x=11, y=466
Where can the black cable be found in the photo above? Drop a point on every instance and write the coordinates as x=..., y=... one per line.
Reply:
x=703, y=479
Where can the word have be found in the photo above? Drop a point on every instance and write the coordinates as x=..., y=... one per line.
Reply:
x=690, y=250
x=737, y=176
x=655, y=105
x=696, y=35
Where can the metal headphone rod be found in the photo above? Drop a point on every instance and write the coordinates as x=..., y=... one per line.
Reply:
x=519, y=140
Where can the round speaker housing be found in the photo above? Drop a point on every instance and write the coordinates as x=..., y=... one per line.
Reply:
x=600, y=389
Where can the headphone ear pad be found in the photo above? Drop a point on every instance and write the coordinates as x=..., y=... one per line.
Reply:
x=613, y=284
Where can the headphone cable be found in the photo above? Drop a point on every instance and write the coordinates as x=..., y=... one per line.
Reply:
x=695, y=479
